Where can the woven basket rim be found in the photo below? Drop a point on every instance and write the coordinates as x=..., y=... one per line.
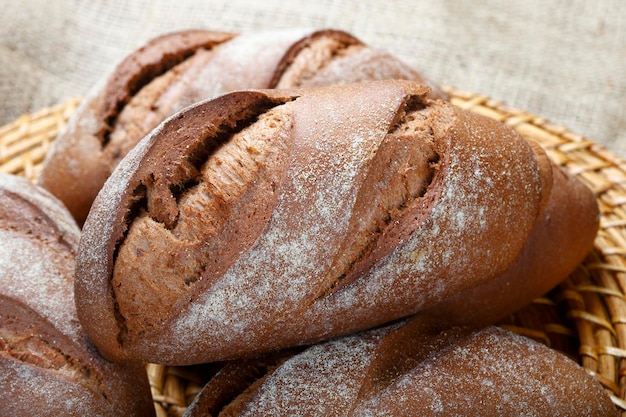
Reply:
x=587, y=311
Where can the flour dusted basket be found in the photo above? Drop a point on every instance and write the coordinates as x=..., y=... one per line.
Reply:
x=585, y=317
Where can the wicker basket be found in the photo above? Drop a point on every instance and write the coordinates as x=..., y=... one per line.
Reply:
x=585, y=317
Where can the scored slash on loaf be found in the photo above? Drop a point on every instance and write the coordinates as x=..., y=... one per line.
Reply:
x=261, y=220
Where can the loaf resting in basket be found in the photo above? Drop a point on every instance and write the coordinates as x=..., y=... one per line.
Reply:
x=266, y=219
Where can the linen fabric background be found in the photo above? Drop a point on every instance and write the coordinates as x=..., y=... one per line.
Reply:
x=563, y=59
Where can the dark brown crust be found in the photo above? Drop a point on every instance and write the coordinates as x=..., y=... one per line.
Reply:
x=552, y=251
x=27, y=337
x=77, y=166
x=33, y=220
x=234, y=384
x=148, y=62
x=409, y=369
x=394, y=198
x=47, y=364
x=176, y=171
x=347, y=60
x=195, y=128
x=177, y=70
x=176, y=164
x=481, y=205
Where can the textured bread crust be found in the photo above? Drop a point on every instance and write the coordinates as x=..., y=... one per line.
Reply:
x=408, y=370
x=179, y=69
x=47, y=364
x=552, y=249
x=80, y=160
x=266, y=219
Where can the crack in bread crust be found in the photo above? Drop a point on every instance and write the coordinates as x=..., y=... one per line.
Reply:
x=398, y=179
x=39, y=222
x=27, y=337
x=229, y=175
x=227, y=392
x=152, y=60
x=309, y=55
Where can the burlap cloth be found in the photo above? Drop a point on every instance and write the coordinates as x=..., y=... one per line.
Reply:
x=564, y=60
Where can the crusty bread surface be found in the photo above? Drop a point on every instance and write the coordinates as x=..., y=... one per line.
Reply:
x=263, y=219
x=178, y=69
x=48, y=366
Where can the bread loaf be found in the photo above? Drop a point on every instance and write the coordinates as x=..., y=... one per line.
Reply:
x=266, y=219
x=48, y=367
x=408, y=370
x=179, y=69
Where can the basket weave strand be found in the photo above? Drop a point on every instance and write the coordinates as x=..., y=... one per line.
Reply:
x=584, y=317
x=24, y=142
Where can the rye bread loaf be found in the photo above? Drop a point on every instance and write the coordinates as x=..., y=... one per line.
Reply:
x=181, y=68
x=48, y=367
x=266, y=219
x=408, y=370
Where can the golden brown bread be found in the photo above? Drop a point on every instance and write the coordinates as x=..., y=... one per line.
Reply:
x=48, y=367
x=266, y=219
x=179, y=69
x=408, y=370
